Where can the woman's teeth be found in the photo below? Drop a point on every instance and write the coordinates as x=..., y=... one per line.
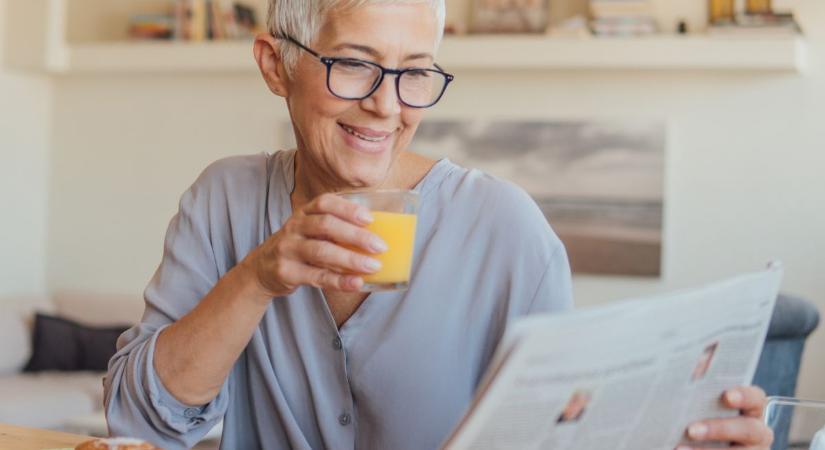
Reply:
x=361, y=136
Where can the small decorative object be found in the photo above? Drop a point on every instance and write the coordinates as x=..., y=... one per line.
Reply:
x=721, y=12
x=509, y=16
x=761, y=7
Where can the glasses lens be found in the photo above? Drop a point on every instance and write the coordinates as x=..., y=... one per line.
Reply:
x=351, y=78
x=421, y=87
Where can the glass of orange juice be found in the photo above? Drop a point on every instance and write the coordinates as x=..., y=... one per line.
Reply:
x=395, y=213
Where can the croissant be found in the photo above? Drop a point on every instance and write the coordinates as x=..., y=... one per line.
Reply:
x=116, y=444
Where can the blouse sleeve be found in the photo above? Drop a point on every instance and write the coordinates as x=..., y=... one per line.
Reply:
x=554, y=292
x=136, y=402
x=535, y=271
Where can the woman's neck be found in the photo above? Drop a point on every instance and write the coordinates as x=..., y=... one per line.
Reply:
x=308, y=183
x=407, y=171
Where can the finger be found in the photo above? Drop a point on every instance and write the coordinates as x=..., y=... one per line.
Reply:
x=285, y=274
x=740, y=430
x=328, y=227
x=750, y=400
x=339, y=207
x=326, y=255
x=292, y=274
x=325, y=279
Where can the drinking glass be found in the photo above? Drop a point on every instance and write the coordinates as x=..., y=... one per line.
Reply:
x=395, y=213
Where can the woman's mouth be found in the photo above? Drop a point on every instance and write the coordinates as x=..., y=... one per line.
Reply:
x=363, y=136
x=366, y=140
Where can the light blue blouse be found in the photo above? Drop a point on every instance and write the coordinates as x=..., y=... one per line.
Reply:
x=398, y=374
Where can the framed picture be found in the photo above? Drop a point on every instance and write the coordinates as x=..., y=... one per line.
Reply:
x=509, y=16
x=600, y=183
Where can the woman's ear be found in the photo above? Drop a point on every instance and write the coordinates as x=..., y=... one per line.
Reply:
x=268, y=56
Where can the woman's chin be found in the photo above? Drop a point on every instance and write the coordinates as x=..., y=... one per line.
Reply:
x=366, y=179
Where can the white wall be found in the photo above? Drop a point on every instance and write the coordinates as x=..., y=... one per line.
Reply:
x=126, y=149
x=744, y=171
x=25, y=113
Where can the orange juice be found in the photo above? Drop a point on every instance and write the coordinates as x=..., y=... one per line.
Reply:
x=398, y=231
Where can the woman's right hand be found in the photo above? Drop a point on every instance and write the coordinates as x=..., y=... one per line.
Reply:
x=314, y=247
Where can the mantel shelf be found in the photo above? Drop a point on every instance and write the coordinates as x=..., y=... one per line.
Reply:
x=704, y=53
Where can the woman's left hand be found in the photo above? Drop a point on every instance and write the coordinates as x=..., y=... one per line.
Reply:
x=748, y=431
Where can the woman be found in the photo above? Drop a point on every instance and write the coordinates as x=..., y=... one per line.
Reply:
x=251, y=316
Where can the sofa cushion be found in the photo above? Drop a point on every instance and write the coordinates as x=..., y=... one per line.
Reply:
x=49, y=400
x=60, y=344
x=793, y=318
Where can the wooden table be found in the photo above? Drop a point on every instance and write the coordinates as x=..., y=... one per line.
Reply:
x=19, y=438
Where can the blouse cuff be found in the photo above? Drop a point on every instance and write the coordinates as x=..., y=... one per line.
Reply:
x=177, y=415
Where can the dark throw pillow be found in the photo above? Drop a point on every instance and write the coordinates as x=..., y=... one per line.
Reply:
x=63, y=345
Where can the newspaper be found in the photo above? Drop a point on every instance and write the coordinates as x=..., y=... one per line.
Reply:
x=818, y=442
x=632, y=375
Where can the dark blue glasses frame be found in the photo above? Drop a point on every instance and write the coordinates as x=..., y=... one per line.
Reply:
x=330, y=61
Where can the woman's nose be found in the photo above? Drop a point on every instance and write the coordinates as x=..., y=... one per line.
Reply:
x=384, y=101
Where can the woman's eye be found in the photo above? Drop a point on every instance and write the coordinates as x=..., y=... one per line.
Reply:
x=418, y=73
x=353, y=65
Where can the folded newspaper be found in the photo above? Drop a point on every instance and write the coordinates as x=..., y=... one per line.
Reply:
x=631, y=375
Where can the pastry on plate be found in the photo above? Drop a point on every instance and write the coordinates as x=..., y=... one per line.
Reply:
x=116, y=444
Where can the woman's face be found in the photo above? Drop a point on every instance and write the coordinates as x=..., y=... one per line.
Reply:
x=354, y=143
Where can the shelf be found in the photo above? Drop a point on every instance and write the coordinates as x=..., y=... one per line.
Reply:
x=155, y=57
x=727, y=53
x=785, y=53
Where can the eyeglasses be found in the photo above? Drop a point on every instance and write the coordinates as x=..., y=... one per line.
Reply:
x=356, y=79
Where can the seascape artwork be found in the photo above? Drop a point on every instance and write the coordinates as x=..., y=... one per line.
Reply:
x=600, y=184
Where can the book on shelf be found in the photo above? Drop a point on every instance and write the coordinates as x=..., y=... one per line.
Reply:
x=151, y=26
x=757, y=25
x=197, y=21
x=575, y=27
x=623, y=17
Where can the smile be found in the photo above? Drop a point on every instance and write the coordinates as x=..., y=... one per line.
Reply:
x=378, y=138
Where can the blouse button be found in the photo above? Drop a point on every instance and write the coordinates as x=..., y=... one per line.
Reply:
x=337, y=344
x=344, y=419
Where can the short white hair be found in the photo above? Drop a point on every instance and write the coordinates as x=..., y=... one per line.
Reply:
x=302, y=20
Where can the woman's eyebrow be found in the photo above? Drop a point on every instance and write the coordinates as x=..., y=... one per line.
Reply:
x=375, y=53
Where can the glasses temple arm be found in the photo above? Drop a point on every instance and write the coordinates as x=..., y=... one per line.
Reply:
x=294, y=41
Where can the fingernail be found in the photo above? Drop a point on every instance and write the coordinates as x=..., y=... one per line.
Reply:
x=377, y=245
x=734, y=397
x=372, y=265
x=364, y=216
x=697, y=431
